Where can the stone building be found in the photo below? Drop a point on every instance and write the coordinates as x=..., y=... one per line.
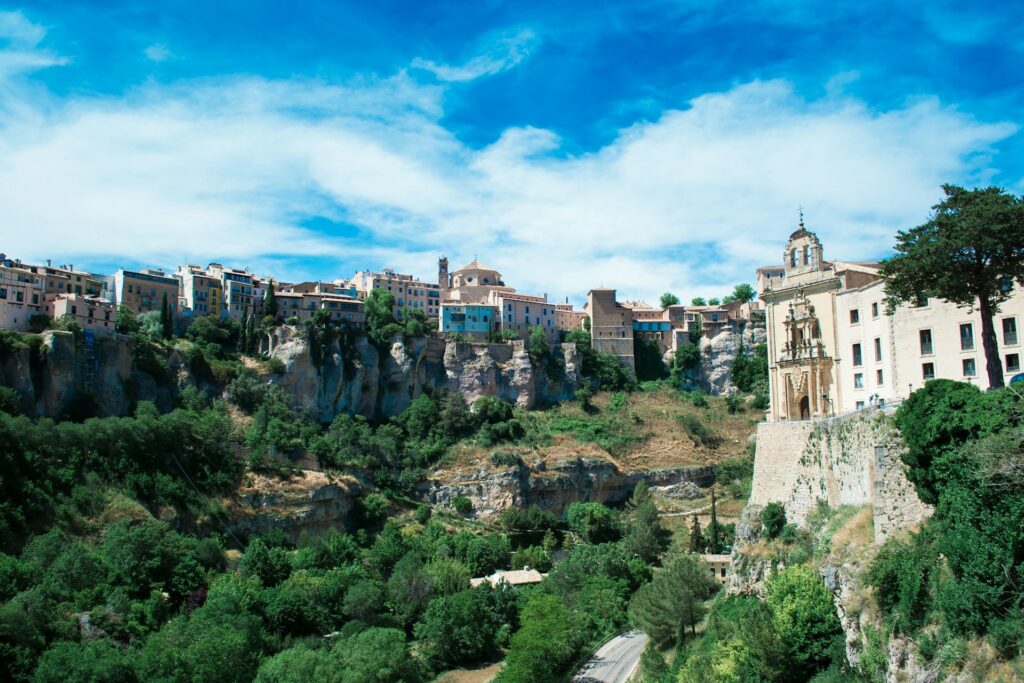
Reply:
x=21, y=294
x=833, y=348
x=90, y=312
x=409, y=292
x=142, y=291
x=611, y=326
x=199, y=293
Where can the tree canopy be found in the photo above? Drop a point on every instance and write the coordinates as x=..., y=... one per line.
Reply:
x=970, y=252
x=669, y=299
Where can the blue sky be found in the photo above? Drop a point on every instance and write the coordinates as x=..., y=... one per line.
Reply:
x=647, y=146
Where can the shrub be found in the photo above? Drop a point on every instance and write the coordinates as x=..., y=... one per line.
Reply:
x=274, y=366
x=699, y=399
x=773, y=519
x=735, y=404
x=617, y=401
x=695, y=429
x=462, y=505
x=10, y=401
x=248, y=392
x=505, y=459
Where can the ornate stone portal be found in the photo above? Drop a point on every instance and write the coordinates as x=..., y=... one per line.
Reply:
x=805, y=364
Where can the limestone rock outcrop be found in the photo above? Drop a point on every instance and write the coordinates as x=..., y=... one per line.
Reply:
x=307, y=503
x=362, y=380
x=718, y=354
x=554, y=488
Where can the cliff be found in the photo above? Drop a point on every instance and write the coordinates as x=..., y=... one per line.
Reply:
x=554, y=488
x=362, y=380
x=309, y=502
x=718, y=354
x=56, y=371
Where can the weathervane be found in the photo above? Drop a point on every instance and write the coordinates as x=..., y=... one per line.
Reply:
x=801, y=215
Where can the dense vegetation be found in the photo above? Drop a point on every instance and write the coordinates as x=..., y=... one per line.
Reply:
x=962, y=575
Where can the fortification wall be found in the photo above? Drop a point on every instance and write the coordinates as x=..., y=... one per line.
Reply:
x=850, y=460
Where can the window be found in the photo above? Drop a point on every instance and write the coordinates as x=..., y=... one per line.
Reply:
x=807, y=255
x=920, y=300
x=792, y=258
x=878, y=378
x=74, y=310
x=878, y=349
x=969, y=369
x=927, y=371
x=858, y=358
x=1012, y=362
x=858, y=380
x=854, y=316
x=874, y=310
x=1009, y=331
x=926, y=342
x=723, y=572
x=859, y=405
x=966, y=337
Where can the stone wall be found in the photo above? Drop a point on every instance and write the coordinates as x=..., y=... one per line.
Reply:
x=718, y=354
x=849, y=460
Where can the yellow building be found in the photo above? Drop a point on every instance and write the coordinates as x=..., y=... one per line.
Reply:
x=143, y=290
x=200, y=293
x=409, y=292
x=90, y=312
x=21, y=294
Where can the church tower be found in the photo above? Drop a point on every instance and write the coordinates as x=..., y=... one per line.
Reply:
x=442, y=273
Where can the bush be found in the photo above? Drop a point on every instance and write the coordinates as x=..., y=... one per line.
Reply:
x=735, y=404
x=274, y=366
x=695, y=429
x=773, y=519
x=699, y=399
x=10, y=401
x=462, y=505
x=505, y=459
x=248, y=392
x=617, y=401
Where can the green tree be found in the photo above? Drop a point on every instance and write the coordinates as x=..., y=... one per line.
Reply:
x=741, y=292
x=545, y=645
x=970, y=252
x=166, y=319
x=449, y=575
x=86, y=662
x=773, y=519
x=674, y=600
x=714, y=301
x=294, y=665
x=698, y=301
x=409, y=589
x=376, y=655
x=714, y=533
x=125, y=321
x=805, y=619
x=669, y=299
x=270, y=301
x=644, y=534
x=381, y=325
x=459, y=629
x=204, y=647
x=594, y=522
x=698, y=543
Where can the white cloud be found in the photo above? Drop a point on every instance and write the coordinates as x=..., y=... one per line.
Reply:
x=157, y=52
x=691, y=202
x=19, y=46
x=502, y=54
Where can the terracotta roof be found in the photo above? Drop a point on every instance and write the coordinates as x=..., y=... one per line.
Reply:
x=475, y=265
x=514, y=577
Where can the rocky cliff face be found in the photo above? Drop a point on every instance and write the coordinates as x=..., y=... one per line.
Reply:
x=554, y=488
x=364, y=381
x=308, y=503
x=718, y=354
x=59, y=370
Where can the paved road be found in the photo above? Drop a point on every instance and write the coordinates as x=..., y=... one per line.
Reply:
x=616, y=661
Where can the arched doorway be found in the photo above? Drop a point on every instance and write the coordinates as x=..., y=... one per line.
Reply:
x=805, y=408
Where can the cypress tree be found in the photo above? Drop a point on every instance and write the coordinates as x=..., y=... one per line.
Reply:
x=250, y=334
x=270, y=301
x=714, y=541
x=243, y=334
x=697, y=542
x=166, y=322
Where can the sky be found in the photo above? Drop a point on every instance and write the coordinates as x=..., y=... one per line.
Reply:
x=648, y=145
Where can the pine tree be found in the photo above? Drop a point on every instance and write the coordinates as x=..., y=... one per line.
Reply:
x=714, y=538
x=697, y=542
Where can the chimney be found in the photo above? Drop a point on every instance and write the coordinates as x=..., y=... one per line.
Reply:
x=47, y=263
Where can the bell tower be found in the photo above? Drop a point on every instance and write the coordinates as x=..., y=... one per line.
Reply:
x=442, y=273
